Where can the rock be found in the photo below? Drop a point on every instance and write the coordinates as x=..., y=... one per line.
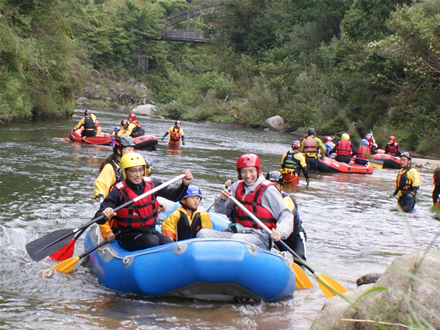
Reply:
x=145, y=109
x=368, y=278
x=394, y=299
x=275, y=123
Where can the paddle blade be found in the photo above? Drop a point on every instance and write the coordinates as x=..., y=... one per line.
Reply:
x=376, y=165
x=65, y=253
x=48, y=244
x=302, y=280
x=329, y=286
x=66, y=266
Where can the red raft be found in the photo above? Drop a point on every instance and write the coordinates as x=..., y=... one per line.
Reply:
x=143, y=142
x=386, y=160
x=330, y=165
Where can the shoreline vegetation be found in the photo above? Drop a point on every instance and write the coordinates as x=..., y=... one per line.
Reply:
x=337, y=66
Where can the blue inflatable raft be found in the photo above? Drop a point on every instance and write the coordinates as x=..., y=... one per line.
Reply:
x=207, y=269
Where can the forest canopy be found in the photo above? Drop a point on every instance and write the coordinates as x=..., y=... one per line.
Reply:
x=337, y=65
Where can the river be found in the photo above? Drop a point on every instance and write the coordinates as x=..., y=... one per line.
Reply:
x=46, y=184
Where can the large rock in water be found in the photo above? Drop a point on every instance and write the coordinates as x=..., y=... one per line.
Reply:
x=275, y=123
x=145, y=109
x=407, y=293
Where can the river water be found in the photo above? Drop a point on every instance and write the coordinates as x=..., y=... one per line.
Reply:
x=46, y=184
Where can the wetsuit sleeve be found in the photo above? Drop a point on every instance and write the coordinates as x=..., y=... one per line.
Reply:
x=80, y=123
x=105, y=180
x=181, y=133
x=173, y=194
x=414, y=175
x=113, y=200
x=321, y=146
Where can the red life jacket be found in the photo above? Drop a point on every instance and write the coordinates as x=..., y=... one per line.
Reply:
x=392, y=148
x=137, y=123
x=310, y=146
x=253, y=203
x=175, y=136
x=363, y=152
x=140, y=214
x=344, y=148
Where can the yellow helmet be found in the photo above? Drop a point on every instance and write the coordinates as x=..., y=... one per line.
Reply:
x=345, y=137
x=131, y=160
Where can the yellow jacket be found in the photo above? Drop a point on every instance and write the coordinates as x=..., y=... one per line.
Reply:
x=169, y=226
x=127, y=131
x=411, y=177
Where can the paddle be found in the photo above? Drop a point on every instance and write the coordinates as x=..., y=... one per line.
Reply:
x=67, y=251
x=52, y=242
x=329, y=286
x=68, y=265
x=210, y=206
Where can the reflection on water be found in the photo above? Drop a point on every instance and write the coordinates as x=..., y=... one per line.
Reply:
x=46, y=184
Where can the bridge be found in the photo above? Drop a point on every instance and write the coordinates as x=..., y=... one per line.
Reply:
x=190, y=34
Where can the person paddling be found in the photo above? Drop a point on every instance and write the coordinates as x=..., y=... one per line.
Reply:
x=135, y=224
x=260, y=197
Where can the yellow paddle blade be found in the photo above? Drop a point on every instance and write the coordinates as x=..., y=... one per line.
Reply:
x=376, y=165
x=302, y=280
x=66, y=266
x=329, y=286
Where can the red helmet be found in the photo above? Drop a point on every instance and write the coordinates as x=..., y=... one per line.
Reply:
x=248, y=160
x=392, y=138
x=87, y=112
x=327, y=138
x=369, y=138
x=132, y=116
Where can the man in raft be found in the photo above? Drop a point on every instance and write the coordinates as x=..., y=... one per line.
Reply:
x=89, y=122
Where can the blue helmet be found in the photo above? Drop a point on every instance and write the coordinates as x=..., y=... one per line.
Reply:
x=193, y=191
x=117, y=128
x=364, y=142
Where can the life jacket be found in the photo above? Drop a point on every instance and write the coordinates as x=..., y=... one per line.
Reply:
x=253, y=203
x=310, y=147
x=402, y=180
x=344, y=148
x=89, y=123
x=436, y=176
x=139, y=214
x=290, y=161
x=137, y=123
x=392, y=148
x=297, y=219
x=137, y=131
x=184, y=230
x=115, y=164
x=363, y=152
x=175, y=135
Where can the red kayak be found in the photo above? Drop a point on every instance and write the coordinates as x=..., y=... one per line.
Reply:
x=387, y=160
x=333, y=166
x=143, y=142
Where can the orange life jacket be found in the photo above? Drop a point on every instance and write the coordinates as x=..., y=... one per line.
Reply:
x=344, y=148
x=363, y=152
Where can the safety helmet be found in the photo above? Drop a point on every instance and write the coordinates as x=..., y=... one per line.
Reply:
x=275, y=176
x=122, y=142
x=247, y=160
x=364, y=142
x=117, y=128
x=405, y=154
x=345, y=137
x=311, y=131
x=296, y=144
x=177, y=122
x=124, y=122
x=392, y=138
x=87, y=112
x=132, y=116
x=328, y=139
x=193, y=191
x=369, y=138
x=131, y=160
